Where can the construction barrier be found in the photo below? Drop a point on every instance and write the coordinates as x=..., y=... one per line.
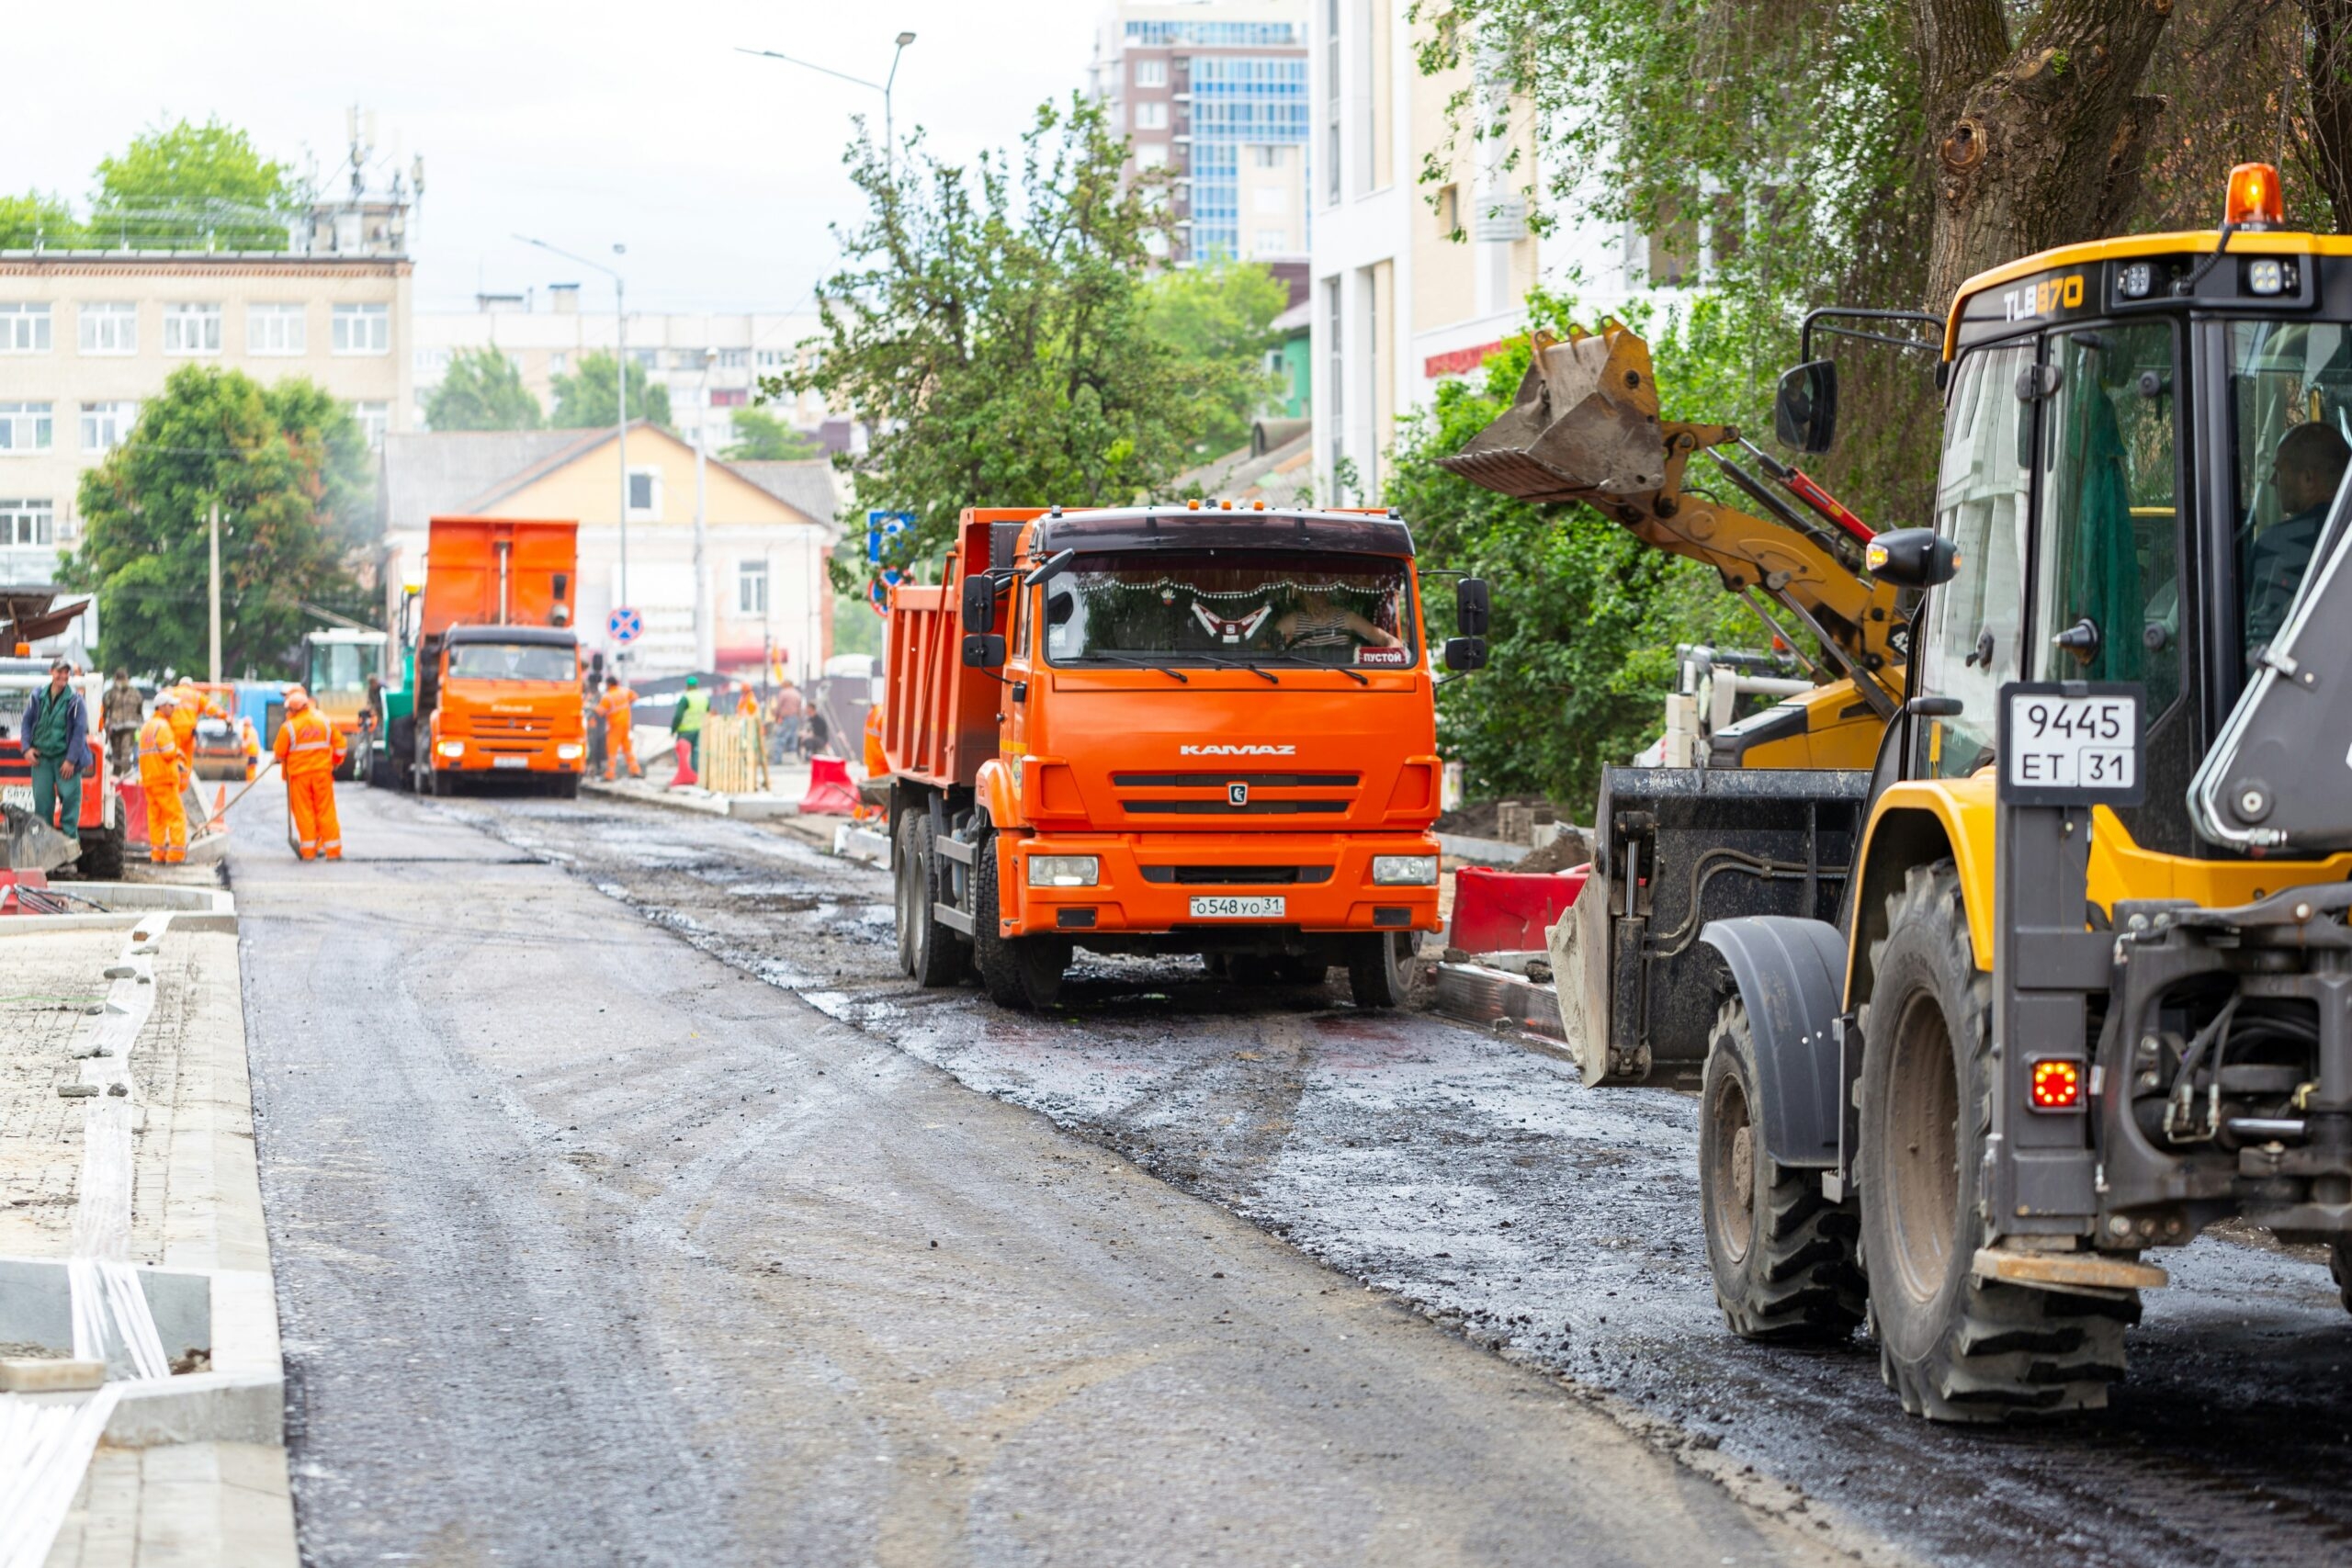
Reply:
x=831, y=793
x=734, y=755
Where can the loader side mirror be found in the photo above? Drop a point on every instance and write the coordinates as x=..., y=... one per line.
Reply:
x=1912, y=557
x=1463, y=654
x=1804, y=411
x=983, y=650
x=1471, y=605
x=979, y=604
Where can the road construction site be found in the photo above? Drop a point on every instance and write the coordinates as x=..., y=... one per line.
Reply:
x=1335, y=1279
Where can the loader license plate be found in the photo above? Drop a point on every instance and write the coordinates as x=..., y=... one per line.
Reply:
x=2071, y=744
x=509, y=762
x=1221, y=906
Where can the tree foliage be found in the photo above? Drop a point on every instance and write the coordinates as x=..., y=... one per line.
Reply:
x=287, y=467
x=187, y=185
x=584, y=398
x=761, y=436
x=992, y=328
x=33, y=221
x=482, y=390
x=1219, y=317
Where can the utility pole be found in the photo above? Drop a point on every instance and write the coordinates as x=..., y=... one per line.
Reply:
x=706, y=639
x=620, y=391
x=212, y=593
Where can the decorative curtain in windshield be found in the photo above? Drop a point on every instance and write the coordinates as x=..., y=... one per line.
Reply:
x=1257, y=607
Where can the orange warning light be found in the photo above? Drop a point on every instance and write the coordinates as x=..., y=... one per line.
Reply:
x=2057, y=1085
x=2254, y=201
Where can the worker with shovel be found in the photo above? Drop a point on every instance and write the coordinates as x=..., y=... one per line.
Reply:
x=309, y=748
x=163, y=774
x=618, y=707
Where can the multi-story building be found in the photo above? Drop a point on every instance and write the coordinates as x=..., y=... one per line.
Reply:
x=1216, y=92
x=710, y=364
x=87, y=335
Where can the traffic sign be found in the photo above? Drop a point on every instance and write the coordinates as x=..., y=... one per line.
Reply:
x=624, y=625
x=883, y=526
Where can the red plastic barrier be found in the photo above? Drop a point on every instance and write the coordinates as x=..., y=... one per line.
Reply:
x=686, y=777
x=1507, y=911
x=831, y=793
x=133, y=797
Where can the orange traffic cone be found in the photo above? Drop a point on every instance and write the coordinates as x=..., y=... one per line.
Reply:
x=220, y=809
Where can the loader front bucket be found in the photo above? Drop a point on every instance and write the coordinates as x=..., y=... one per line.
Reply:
x=28, y=844
x=1584, y=425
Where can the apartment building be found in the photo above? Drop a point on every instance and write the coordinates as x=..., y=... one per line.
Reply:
x=86, y=336
x=710, y=362
x=1215, y=92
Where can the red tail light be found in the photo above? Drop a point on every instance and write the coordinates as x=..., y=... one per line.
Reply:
x=2057, y=1084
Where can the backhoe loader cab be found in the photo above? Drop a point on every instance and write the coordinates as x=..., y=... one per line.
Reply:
x=2090, y=987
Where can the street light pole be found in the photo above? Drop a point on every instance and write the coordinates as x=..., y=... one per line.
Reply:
x=706, y=650
x=213, y=585
x=620, y=389
x=889, y=142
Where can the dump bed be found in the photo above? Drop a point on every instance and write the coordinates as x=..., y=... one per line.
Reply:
x=499, y=571
x=939, y=718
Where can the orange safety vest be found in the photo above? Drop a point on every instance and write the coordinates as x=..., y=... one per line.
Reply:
x=159, y=754
x=307, y=744
x=616, y=702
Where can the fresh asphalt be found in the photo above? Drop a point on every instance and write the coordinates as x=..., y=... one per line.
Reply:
x=592, y=1248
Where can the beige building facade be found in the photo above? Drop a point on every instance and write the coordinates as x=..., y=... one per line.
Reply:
x=86, y=337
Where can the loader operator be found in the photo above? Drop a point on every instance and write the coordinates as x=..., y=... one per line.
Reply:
x=2309, y=465
x=617, y=707
x=309, y=748
x=163, y=774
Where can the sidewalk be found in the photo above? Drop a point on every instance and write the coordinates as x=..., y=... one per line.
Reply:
x=778, y=807
x=131, y=1242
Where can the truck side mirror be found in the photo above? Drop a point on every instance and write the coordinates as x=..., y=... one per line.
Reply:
x=1463, y=654
x=979, y=605
x=1804, y=411
x=983, y=650
x=1471, y=605
x=1912, y=557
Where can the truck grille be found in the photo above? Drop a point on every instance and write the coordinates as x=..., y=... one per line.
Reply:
x=513, y=727
x=1218, y=781
x=1237, y=876
x=1223, y=808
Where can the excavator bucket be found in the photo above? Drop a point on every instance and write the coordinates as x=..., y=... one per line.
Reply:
x=1584, y=425
x=28, y=844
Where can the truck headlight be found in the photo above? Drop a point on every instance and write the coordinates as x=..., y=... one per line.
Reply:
x=569, y=751
x=1065, y=871
x=451, y=748
x=1404, y=870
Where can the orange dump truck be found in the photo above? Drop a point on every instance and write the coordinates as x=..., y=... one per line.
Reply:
x=496, y=663
x=1174, y=729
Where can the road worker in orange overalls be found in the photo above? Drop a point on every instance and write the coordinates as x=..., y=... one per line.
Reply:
x=617, y=705
x=187, y=708
x=163, y=774
x=309, y=748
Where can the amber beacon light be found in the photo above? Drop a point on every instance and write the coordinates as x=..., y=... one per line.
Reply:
x=2254, y=201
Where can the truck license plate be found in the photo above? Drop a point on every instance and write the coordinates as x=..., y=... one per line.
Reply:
x=509, y=762
x=1260, y=906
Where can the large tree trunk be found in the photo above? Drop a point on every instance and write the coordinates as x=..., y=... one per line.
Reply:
x=2329, y=63
x=2040, y=139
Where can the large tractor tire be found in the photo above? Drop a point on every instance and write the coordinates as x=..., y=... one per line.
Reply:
x=1783, y=1254
x=1017, y=972
x=1954, y=1347
x=1383, y=970
x=101, y=857
x=938, y=954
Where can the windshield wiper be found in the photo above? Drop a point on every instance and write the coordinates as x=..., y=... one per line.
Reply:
x=1140, y=662
x=1262, y=674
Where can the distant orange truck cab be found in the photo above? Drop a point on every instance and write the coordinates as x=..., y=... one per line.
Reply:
x=497, y=662
x=1170, y=729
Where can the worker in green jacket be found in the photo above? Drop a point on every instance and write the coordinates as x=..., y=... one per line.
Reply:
x=686, y=721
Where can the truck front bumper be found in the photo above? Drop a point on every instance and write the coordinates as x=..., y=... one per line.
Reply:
x=1198, y=884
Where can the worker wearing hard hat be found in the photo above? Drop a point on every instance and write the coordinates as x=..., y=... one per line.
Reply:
x=309, y=748
x=187, y=708
x=163, y=774
x=617, y=707
x=685, y=722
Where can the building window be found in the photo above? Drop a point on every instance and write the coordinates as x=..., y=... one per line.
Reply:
x=559, y=363
x=363, y=329
x=1368, y=472
x=24, y=329
x=729, y=396
x=734, y=358
x=1332, y=104
x=1153, y=156
x=773, y=358
x=28, y=523
x=103, y=426
x=1152, y=72
x=752, y=587
x=646, y=358
x=24, y=427
x=375, y=422
x=1271, y=241
x=111, y=327
x=1336, y=426
x=276, y=330
x=1266, y=156
x=191, y=329
x=644, y=494
x=1151, y=116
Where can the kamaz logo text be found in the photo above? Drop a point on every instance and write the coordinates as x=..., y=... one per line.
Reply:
x=1215, y=750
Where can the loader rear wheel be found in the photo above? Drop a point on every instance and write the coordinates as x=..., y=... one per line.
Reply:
x=1017, y=972
x=938, y=953
x=1783, y=1254
x=1954, y=1347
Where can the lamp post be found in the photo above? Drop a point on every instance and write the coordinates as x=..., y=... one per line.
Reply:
x=889, y=142
x=620, y=387
x=705, y=648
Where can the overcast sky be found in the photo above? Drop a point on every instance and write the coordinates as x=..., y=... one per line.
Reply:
x=581, y=123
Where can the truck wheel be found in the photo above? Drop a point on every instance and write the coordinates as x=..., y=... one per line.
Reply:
x=1017, y=972
x=902, y=890
x=1783, y=1254
x=400, y=752
x=1955, y=1347
x=101, y=858
x=1382, y=969
x=938, y=953
x=567, y=787
x=2339, y=1266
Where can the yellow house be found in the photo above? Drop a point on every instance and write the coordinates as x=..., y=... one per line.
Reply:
x=767, y=530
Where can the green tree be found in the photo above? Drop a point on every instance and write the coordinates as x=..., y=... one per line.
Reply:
x=763, y=436
x=34, y=220
x=584, y=399
x=483, y=392
x=188, y=185
x=289, y=471
x=992, y=328
x=1219, y=318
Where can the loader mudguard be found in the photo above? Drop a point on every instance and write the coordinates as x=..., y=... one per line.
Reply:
x=1790, y=973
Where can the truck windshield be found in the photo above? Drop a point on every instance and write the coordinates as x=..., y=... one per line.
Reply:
x=513, y=662
x=344, y=666
x=1262, y=607
x=2290, y=396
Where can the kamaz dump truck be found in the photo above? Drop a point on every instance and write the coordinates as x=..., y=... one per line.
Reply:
x=1193, y=729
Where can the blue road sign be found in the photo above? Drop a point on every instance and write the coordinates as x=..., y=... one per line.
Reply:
x=883, y=526
x=624, y=625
